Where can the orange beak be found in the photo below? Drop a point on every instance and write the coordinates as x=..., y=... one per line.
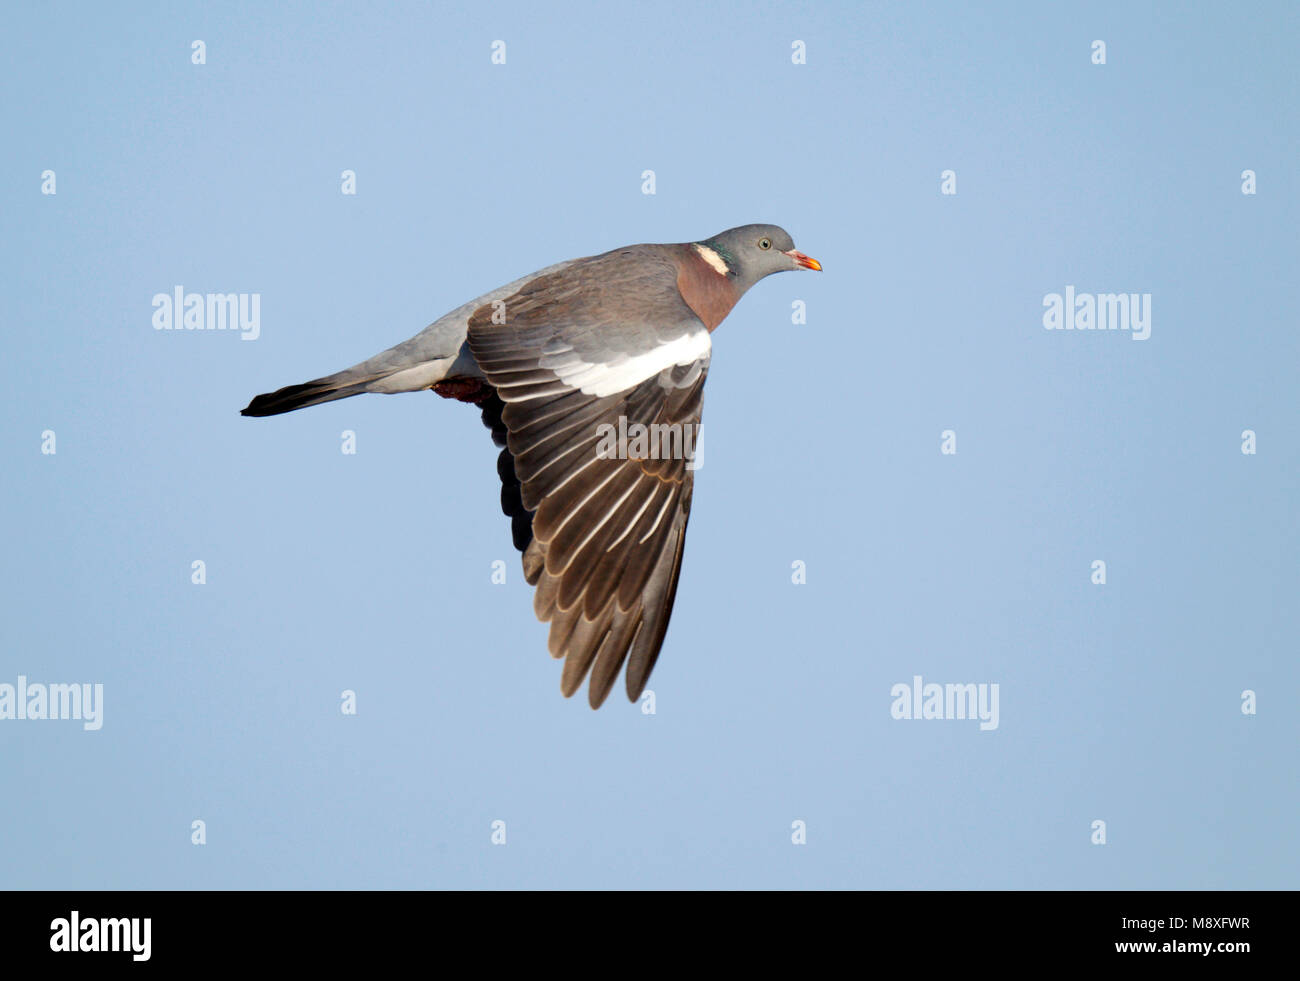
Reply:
x=807, y=261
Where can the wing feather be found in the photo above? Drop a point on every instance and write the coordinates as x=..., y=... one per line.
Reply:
x=602, y=536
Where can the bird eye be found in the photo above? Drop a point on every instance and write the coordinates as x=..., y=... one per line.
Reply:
x=764, y=244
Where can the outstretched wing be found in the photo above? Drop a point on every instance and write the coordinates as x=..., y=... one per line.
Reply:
x=599, y=374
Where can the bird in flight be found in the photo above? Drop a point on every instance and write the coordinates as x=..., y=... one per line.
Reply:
x=558, y=362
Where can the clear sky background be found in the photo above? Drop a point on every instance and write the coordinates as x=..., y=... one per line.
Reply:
x=372, y=572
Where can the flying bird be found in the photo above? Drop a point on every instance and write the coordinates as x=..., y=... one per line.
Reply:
x=557, y=361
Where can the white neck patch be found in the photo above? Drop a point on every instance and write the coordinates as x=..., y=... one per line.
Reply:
x=712, y=258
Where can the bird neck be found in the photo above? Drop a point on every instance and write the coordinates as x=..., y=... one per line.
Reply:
x=706, y=283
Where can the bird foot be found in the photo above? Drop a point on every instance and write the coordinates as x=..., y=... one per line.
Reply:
x=463, y=389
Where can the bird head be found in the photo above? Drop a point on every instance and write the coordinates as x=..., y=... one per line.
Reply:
x=751, y=252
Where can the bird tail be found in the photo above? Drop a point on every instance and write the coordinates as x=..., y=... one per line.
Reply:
x=338, y=386
x=395, y=370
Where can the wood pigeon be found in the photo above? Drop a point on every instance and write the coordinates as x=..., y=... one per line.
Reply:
x=559, y=361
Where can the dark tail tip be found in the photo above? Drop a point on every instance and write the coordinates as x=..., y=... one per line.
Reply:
x=297, y=397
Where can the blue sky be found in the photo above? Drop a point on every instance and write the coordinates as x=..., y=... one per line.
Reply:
x=371, y=572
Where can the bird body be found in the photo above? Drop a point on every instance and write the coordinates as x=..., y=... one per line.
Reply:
x=557, y=360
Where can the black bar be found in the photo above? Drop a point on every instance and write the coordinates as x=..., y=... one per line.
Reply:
x=368, y=929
